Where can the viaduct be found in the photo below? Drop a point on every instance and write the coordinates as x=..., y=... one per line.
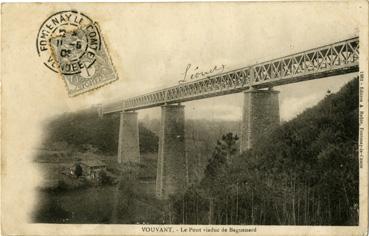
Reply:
x=260, y=105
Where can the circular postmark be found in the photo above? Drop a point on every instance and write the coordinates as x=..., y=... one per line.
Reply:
x=68, y=42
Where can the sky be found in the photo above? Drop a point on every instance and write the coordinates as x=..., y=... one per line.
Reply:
x=151, y=45
x=151, y=50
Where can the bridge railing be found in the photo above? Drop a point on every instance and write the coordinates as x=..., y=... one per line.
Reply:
x=334, y=59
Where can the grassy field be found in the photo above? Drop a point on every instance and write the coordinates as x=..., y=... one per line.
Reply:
x=92, y=205
x=136, y=203
x=96, y=205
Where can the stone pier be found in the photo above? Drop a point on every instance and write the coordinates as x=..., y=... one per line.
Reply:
x=128, y=146
x=171, y=170
x=260, y=113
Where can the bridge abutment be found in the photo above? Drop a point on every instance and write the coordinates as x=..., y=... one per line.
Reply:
x=260, y=113
x=171, y=169
x=128, y=144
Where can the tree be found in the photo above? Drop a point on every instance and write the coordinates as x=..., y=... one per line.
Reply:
x=216, y=170
x=215, y=181
x=227, y=146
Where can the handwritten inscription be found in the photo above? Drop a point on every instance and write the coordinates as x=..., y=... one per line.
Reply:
x=194, y=72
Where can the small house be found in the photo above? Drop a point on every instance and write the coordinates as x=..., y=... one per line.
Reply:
x=92, y=168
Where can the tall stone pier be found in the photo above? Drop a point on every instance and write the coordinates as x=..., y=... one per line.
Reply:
x=260, y=113
x=128, y=146
x=171, y=170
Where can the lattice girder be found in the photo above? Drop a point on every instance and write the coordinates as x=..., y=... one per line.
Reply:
x=334, y=59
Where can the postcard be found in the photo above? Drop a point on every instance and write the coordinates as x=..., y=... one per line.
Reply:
x=184, y=118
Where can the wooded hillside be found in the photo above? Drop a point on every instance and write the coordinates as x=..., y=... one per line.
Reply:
x=84, y=128
x=305, y=172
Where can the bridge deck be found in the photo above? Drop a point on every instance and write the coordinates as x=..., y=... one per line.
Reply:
x=333, y=59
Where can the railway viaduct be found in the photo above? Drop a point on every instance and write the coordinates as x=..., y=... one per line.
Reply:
x=260, y=105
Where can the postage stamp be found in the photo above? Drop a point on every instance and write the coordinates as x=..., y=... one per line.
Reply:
x=71, y=44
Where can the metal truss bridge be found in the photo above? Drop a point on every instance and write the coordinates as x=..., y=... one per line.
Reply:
x=333, y=59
